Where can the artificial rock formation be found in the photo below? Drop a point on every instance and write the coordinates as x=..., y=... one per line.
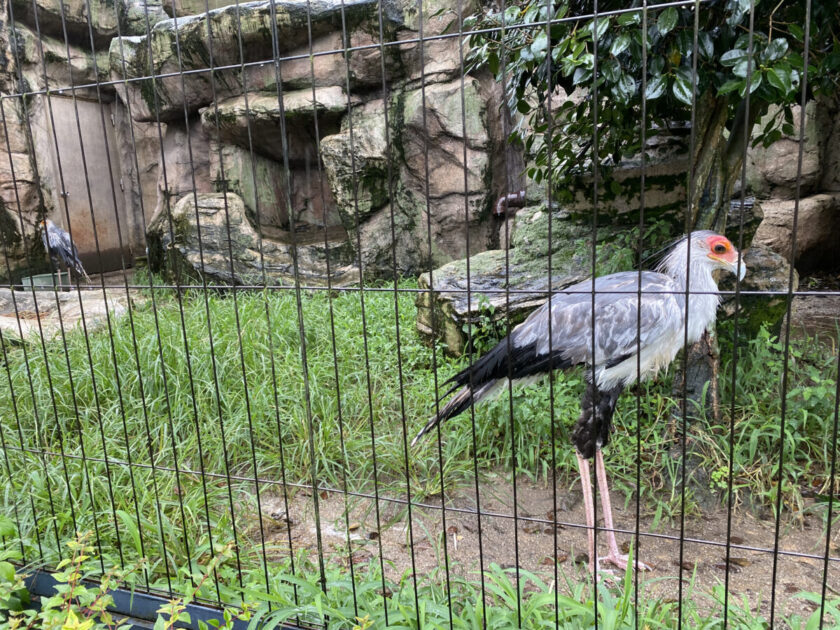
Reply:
x=313, y=146
x=209, y=236
x=501, y=284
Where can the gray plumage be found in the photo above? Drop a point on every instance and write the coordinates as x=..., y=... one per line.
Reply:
x=61, y=249
x=625, y=325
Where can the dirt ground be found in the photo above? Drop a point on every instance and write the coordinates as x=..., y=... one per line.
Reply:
x=750, y=567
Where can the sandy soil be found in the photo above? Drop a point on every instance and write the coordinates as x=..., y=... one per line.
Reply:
x=704, y=552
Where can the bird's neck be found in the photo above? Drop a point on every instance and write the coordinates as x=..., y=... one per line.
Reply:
x=703, y=297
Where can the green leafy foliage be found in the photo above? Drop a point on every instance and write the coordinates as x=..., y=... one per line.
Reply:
x=612, y=61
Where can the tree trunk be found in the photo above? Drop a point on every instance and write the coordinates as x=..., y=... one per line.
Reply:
x=717, y=163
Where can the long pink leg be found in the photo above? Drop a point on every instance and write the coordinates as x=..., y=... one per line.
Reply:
x=614, y=557
x=588, y=507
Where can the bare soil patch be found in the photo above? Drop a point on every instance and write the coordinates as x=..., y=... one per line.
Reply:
x=531, y=539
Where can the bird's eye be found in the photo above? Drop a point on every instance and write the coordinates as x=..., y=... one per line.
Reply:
x=720, y=248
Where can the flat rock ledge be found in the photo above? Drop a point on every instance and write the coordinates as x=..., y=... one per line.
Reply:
x=509, y=284
x=25, y=315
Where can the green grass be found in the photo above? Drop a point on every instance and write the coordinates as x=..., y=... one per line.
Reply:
x=146, y=409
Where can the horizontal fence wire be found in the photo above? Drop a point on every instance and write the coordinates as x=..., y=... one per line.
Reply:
x=241, y=429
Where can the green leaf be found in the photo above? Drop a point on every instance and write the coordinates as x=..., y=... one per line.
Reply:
x=656, y=87
x=603, y=25
x=620, y=44
x=740, y=69
x=7, y=527
x=625, y=88
x=755, y=81
x=581, y=75
x=611, y=70
x=730, y=86
x=776, y=49
x=707, y=46
x=779, y=78
x=733, y=57
x=493, y=62
x=540, y=43
x=657, y=65
x=796, y=32
x=682, y=89
x=625, y=19
x=667, y=21
x=7, y=572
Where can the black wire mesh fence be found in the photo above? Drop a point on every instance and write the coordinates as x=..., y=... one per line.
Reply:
x=227, y=406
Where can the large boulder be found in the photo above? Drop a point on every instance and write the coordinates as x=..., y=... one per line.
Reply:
x=221, y=223
x=253, y=120
x=20, y=193
x=816, y=316
x=764, y=285
x=773, y=172
x=186, y=168
x=509, y=284
x=831, y=154
x=64, y=65
x=358, y=161
x=413, y=172
x=446, y=149
x=228, y=37
x=138, y=147
x=80, y=19
x=435, y=59
x=817, y=230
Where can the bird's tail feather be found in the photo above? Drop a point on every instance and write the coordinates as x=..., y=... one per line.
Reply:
x=81, y=271
x=459, y=403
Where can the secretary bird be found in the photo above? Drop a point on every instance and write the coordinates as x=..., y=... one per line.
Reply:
x=635, y=337
x=61, y=249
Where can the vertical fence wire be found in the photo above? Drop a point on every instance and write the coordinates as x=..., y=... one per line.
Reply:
x=298, y=297
x=506, y=190
x=831, y=485
x=470, y=349
x=167, y=205
x=788, y=311
x=438, y=434
x=78, y=469
x=549, y=277
x=637, y=516
x=593, y=259
x=730, y=477
x=397, y=332
x=688, y=223
x=184, y=332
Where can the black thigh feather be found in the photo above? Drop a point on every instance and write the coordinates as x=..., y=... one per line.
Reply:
x=592, y=430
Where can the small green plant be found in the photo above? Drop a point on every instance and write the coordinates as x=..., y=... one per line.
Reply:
x=175, y=611
x=485, y=332
x=81, y=603
x=77, y=604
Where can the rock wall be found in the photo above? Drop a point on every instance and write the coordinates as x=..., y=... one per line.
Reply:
x=328, y=150
x=383, y=147
x=380, y=155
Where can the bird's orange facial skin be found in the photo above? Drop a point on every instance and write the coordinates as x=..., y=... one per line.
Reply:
x=721, y=249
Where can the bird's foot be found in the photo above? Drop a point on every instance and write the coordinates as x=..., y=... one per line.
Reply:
x=620, y=561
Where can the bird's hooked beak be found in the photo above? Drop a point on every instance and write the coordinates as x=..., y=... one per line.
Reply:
x=737, y=267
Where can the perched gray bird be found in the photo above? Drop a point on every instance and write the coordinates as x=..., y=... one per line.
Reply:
x=61, y=249
x=635, y=337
